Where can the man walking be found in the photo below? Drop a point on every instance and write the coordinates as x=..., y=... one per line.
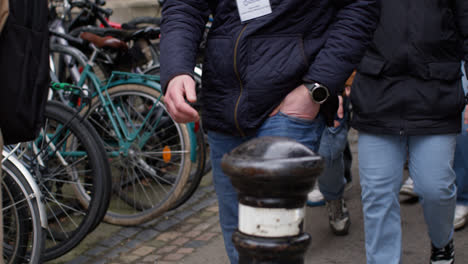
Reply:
x=272, y=67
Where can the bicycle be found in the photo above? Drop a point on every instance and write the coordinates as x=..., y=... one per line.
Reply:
x=69, y=61
x=149, y=152
x=24, y=217
x=70, y=166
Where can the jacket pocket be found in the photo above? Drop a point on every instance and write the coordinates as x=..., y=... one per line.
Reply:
x=371, y=66
x=445, y=71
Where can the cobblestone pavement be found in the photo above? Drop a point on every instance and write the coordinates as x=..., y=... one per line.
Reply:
x=167, y=239
x=191, y=234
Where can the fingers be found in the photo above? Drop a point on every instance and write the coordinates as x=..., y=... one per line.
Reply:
x=178, y=89
x=348, y=91
x=276, y=110
x=340, y=112
x=190, y=93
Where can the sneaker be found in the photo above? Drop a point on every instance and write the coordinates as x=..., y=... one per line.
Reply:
x=338, y=217
x=445, y=255
x=408, y=188
x=315, y=197
x=461, y=213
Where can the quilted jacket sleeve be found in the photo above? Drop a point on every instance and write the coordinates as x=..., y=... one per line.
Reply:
x=181, y=32
x=349, y=37
x=462, y=18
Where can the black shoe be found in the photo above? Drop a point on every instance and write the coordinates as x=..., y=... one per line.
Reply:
x=445, y=255
x=338, y=217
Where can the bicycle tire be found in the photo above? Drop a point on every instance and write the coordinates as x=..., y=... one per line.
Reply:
x=18, y=203
x=70, y=216
x=107, y=188
x=196, y=174
x=135, y=198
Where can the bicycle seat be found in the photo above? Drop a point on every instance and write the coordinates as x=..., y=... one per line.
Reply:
x=104, y=42
x=103, y=32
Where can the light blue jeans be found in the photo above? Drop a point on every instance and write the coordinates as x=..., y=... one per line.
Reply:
x=332, y=144
x=304, y=131
x=381, y=161
x=460, y=164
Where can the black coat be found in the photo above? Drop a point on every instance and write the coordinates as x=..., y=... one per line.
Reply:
x=24, y=70
x=250, y=67
x=409, y=81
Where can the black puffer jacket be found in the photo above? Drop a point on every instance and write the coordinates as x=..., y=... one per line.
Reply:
x=409, y=80
x=250, y=67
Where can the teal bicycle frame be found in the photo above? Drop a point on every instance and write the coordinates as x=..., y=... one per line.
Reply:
x=119, y=78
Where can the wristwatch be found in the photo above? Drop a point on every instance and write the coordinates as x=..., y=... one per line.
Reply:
x=318, y=92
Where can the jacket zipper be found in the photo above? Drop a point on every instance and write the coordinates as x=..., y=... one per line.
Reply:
x=240, y=82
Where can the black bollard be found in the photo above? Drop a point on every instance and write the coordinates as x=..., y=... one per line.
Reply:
x=273, y=176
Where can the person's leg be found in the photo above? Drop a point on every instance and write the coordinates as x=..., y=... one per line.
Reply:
x=307, y=132
x=331, y=181
x=381, y=159
x=430, y=165
x=348, y=160
x=221, y=144
x=460, y=166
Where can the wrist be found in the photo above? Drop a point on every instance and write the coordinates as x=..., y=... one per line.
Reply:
x=319, y=93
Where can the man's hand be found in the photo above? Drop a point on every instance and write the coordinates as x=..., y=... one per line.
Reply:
x=340, y=112
x=298, y=104
x=180, y=88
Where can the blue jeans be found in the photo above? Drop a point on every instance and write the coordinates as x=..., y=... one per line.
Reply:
x=381, y=161
x=304, y=131
x=332, y=144
x=460, y=164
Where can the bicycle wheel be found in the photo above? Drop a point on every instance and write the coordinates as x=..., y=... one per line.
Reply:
x=70, y=168
x=155, y=70
x=23, y=235
x=150, y=170
x=196, y=174
x=107, y=188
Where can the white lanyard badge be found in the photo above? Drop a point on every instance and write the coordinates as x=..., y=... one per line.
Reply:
x=250, y=9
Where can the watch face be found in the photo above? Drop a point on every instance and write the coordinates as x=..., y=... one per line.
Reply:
x=320, y=94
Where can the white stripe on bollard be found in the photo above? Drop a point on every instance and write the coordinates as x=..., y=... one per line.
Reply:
x=270, y=222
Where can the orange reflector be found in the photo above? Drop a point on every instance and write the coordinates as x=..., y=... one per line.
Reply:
x=167, y=154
